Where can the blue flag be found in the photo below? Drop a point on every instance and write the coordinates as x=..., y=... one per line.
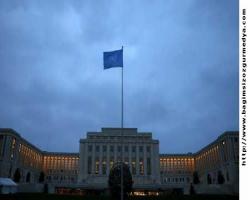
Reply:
x=113, y=59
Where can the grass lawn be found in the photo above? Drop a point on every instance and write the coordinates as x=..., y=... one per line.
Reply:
x=37, y=196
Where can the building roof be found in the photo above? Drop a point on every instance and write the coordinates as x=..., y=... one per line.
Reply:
x=46, y=153
x=178, y=155
x=9, y=130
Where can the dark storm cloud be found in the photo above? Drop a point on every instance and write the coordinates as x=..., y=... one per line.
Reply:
x=180, y=74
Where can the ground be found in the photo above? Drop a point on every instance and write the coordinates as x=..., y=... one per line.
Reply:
x=30, y=196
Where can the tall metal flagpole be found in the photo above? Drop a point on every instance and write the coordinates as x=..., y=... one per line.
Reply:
x=122, y=135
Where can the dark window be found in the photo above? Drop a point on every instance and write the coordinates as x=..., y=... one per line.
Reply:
x=89, y=164
x=133, y=149
x=119, y=148
x=90, y=148
x=104, y=148
x=97, y=148
x=111, y=148
x=148, y=149
x=141, y=148
x=148, y=166
x=126, y=148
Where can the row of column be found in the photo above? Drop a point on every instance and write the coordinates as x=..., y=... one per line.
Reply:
x=144, y=155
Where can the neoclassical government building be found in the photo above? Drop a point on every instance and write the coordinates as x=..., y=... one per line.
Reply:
x=216, y=165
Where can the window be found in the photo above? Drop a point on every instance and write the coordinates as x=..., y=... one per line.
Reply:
x=13, y=148
x=111, y=148
x=141, y=149
x=97, y=165
x=148, y=166
x=133, y=149
x=89, y=164
x=90, y=148
x=2, y=145
x=119, y=148
x=111, y=162
x=133, y=166
x=148, y=149
x=126, y=148
x=104, y=148
x=104, y=167
x=141, y=166
x=126, y=160
x=97, y=148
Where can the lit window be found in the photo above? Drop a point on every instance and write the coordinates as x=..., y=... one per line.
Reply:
x=141, y=166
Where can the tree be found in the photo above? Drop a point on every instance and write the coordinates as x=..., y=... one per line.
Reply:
x=114, y=180
x=220, y=178
x=196, y=179
x=17, y=176
x=41, y=177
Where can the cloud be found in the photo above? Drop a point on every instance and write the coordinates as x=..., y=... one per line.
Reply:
x=180, y=74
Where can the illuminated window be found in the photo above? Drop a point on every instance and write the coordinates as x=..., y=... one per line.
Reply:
x=111, y=162
x=13, y=148
x=97, y=165
x=141, y=166
x=104, y=167
x=126, y=160
x=133, y=166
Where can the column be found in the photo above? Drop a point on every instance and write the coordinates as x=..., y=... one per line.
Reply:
x=100, y=158
x=93, y=159
x=145, y=159
x=108, y=159
x=130, y=156
x=137, y=159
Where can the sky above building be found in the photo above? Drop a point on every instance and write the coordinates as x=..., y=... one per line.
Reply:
x=180, y=70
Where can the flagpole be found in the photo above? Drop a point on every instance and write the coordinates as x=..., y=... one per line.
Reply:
x=122, y=133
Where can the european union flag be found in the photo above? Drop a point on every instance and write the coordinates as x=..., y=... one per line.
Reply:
x=113, y=59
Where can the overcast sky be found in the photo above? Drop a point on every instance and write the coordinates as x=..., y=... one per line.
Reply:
x=180, y=70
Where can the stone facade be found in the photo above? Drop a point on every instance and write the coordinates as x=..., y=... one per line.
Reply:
x=89, y=169
x=100, y=150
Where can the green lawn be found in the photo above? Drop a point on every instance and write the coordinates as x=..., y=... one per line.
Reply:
x=36, y=196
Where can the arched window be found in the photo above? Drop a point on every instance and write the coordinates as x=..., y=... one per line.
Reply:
x=28, y=177
x=209, y=179
x=17, y=176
